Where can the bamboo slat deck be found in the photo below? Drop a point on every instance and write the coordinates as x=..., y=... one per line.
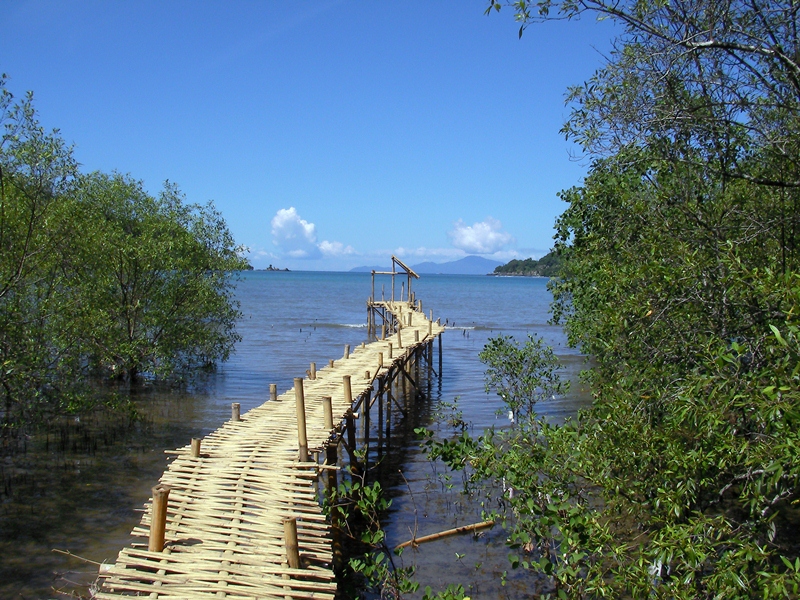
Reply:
x=224, y=532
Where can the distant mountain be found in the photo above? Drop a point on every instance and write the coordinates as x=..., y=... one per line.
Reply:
x=369, y=269
x=470, y=265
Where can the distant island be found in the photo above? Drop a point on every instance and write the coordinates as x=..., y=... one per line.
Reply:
x=271, y=268
x=547, y=266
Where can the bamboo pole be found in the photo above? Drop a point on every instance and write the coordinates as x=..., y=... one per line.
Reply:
x=449, y=532
x=327, y=407
x=348, y=391
x=158, y=518
x=236, y=409
x=440, y=355
x=302, y=438
x=290, y=539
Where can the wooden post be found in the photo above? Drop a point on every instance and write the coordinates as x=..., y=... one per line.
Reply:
x=440, y=355
x=380, y=360
x=347, y=350
x=383, y=331
x=348, y=391
x=236, y=409
x=390, y=349
x=312, y=372
x=302, y=439
x=367, y=374
x=399, y=337
x=330, y=363
x=195, y=447
x=327, y=407
x=416, y=335
x=290, y=539
x=158, y=518
x=273, y=392
x=430, y=327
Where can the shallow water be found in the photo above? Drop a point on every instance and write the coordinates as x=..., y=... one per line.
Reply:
x=87, y=499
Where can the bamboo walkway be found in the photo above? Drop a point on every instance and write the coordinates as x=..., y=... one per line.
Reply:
x=224, y=534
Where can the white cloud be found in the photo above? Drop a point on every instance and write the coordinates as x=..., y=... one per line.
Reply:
x=485, y=237
x=296, y=237
x=335, y=249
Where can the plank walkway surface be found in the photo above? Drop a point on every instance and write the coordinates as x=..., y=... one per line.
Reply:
x=224, y=532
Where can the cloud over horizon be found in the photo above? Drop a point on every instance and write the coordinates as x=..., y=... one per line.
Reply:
x=297, y=238
x=484, y=237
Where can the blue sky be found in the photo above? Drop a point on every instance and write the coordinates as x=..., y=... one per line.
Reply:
x=330, y=134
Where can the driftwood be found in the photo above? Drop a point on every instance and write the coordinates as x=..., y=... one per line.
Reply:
x=435, y=536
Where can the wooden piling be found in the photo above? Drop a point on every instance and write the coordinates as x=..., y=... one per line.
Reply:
x=273, y=392
x=290, y=539
x=327, y=407
x=380, y=360
x=348, y=390
x=416, y=335
x=330, y=363
x=302, y=438
x=347, y=350
x=440, y=355
x=236, y=409
x=195, y=447
x=390, y=349
x=312, y=372
x=158, y=518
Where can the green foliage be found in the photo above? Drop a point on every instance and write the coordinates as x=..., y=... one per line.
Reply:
x=98, y=277
x=358, y=507
x=680, y=278
x=521, y=376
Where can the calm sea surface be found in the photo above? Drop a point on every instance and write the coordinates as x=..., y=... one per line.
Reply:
x=81, y=490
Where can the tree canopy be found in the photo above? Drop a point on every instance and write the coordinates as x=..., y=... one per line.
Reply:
x=97, y=277
x=680, y=279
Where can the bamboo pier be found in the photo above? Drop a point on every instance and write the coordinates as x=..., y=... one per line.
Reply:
x=237, y=514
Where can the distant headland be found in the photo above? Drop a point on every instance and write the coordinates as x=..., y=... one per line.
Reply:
x=547, y=266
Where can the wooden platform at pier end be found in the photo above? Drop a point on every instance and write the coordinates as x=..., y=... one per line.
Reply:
x=224, y=526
